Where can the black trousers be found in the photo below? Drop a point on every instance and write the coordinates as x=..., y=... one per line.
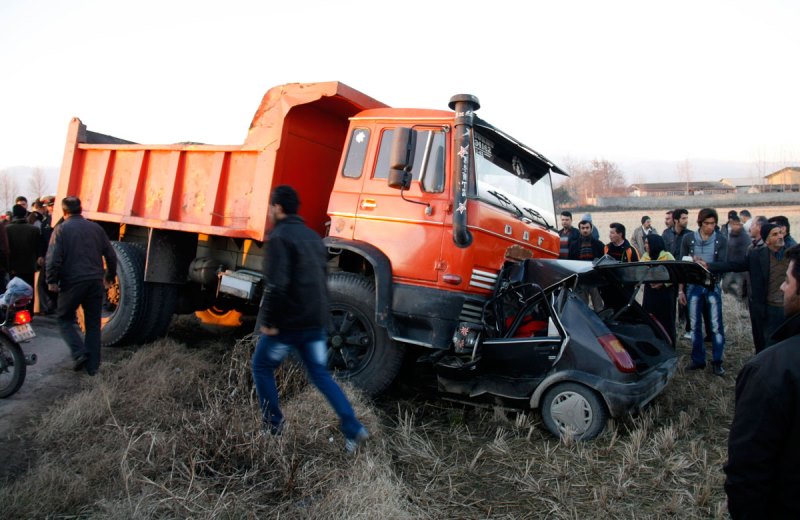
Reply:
x=88, y=295
x=47, y=299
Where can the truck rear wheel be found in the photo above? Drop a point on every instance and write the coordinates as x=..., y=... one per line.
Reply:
x=124, y=302
x=358, y=349
x=162, y=298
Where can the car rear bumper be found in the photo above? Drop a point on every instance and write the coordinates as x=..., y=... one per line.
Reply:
x=623, y=398
x=620, y=397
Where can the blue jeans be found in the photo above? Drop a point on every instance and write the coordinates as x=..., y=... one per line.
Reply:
x=312, y=347
x=698, y=297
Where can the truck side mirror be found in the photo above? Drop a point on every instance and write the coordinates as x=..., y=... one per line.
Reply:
x=401, y=158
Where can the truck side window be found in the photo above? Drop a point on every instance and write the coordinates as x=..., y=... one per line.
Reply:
x=432, y=176
x=429, y=159
x=356, y=153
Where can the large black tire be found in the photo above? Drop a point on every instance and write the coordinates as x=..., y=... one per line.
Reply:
x=12, y=367
x=358, y=349
x=162, y=298
x=125, y=301
x=571, y=409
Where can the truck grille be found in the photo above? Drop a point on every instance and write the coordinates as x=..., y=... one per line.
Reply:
x=471, y=311
x=483, y=279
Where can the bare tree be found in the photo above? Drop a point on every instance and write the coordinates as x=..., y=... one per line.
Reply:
x=761, y=165
x=8, y=190
x=598, y=178
x=38, y=182
x=684, y=171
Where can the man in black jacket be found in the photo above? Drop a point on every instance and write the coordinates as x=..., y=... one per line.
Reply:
x=75, y=270
x=294, y=314
x=23, y=243
x=763, y=468
x=587, y=248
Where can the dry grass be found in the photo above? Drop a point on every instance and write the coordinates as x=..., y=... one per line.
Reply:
x=169, y=433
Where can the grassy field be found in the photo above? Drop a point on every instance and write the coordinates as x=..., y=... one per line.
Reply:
x=167, y=431
x=632, y=218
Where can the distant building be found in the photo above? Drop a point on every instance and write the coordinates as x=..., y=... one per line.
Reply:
x=786, y=176
x=672, y=189
x=744, y=184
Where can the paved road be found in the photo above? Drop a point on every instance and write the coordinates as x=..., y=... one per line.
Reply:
x=50, y=378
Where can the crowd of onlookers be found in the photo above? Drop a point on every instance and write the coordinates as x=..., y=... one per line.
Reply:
x=746, y=253
x=24, y=236
x=758, y=261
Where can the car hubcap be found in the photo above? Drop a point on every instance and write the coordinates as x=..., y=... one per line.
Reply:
x=571, y=410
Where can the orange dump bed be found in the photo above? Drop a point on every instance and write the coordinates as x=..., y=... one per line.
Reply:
x=296, y=138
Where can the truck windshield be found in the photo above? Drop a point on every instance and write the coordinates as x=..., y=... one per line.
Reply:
x=509, y=178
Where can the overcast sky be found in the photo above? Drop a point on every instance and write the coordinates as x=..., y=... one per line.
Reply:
x=573, y=79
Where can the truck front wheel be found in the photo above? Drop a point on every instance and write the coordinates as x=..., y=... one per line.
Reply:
x=358, y=349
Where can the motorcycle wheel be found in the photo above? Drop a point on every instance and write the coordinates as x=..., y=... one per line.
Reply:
x=12, y=367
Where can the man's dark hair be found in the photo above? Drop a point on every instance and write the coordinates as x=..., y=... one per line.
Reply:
x=18, y=212
x=707, y=213
x=285, y=197
x=734, y=218
x=676, y=215
x=645, y=219
x=71, y=205
x=584, y=222
x=781, y=221
x=760, y=220
x=619, y=228
x=566, y=214
x=745, y=213
x=670, y=212
x=793, y=254
x=20, y=198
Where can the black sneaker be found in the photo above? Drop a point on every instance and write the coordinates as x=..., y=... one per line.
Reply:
x=718, y=370
x=695, y=366
x=80, y=362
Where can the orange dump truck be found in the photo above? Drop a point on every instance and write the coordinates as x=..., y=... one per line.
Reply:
x=419, y=210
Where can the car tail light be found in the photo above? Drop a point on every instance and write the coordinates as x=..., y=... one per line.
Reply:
x=617, y=353
x=22, y=317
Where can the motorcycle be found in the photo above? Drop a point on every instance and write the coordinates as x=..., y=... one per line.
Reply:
x=15, y=328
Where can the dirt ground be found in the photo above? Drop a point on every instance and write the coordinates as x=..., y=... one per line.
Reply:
x=46, y=382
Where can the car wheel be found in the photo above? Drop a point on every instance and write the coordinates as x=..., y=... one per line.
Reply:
x=573, y=410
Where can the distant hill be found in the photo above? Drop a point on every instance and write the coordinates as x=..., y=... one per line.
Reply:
x=641, y=170
x=701, y=170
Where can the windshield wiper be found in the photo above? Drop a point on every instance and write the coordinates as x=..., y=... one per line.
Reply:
x=535, y=215
x=506, y=201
